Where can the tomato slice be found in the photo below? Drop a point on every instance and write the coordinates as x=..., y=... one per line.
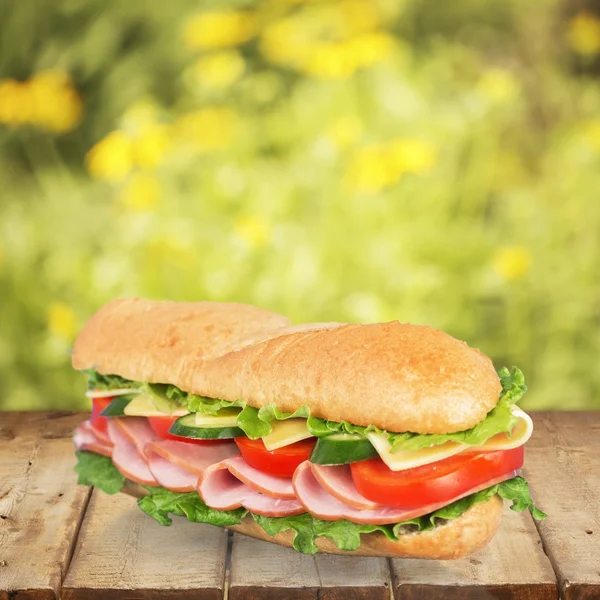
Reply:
x=161, y=426
x=438, y=482
x=281, y=462
x=98, y=405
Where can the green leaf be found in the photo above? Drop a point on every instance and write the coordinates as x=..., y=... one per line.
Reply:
x=99, y=471
x=97, y=381
x=256, y=423
x=517, y=490
x=161, y=502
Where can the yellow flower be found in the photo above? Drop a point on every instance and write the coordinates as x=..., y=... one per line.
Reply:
x=57, y=105
x=219, y=29
x=141, y=192
x=62, y=321
x=371, y=48
x=220, y=70
x=512, y=262
x=151, y=144
x=345, y=131
x=591, y=134
x=253, y=231
x=378, y=166
x=207, y=129
x=16, y=106
x=498, y=86
x=112, y=158
x=332, y=60
x=140, y=114
x=583, y=34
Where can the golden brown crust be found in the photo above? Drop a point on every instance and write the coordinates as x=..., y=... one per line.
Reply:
x=399, y=377
x=455, y=539
x=146, y=340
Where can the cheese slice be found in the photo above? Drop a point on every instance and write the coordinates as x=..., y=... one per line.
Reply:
x=142, y=406
x=226, y=417
x=285, y=433
x=111, y=393
x=399, y=461
x=519, y=434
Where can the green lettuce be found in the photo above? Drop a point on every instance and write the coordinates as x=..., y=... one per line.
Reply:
x=256, y=423
x=161, y=502
x=99, y=471
x=346, y=535
x=97, y=381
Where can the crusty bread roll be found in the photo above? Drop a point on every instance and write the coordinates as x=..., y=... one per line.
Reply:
x=454, y=539
x=146, y=340
x=396, y=376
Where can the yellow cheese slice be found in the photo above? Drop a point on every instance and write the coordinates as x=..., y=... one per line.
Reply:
x=110, y=393
x=519, y=434
x=142, y=406
x=285, y=433
x=399, y=461
x=226, y=417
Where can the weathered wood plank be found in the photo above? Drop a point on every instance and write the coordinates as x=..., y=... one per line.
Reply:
x=123, y=554
x=512, y=566
x=261, y=570
x=562, y=465
x=40, y=505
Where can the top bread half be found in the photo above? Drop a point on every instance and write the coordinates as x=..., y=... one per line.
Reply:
x=398, y=377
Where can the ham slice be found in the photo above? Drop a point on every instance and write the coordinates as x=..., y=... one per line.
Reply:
x=126, y=457
x=320, y=503
x=270, y=485
x=337, y=480
x=101, y=435
x=86, y=438
x=221, y=489
x=137, y=430
x=194, y=458
x=171, y=476
x=177, y=465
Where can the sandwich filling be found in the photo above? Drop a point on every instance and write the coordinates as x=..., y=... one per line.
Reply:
x=216, y=461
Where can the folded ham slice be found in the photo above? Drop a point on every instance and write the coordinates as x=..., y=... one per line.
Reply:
x=220, y=488
x=137, y=430
x=320, y=503
x=126, y=456
x=101, y=435
x=177, y=465
x=86, y=438
x=337, y=480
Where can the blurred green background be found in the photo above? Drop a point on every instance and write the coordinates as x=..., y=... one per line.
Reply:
x=432, y=162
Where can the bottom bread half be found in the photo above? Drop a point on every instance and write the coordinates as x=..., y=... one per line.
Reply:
x=456, y=538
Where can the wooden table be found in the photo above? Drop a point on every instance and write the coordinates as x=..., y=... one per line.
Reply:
x=57, y=538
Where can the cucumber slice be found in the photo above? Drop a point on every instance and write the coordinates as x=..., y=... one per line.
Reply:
x=341, y=449
x=117, y=406
x=186, y=427
x=226, y=417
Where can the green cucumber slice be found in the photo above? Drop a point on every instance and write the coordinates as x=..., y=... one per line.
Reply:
x=116, y=408
x=186, y=427
x=341, y=449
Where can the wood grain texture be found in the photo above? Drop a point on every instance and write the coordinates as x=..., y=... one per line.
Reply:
x=123, y=554
x=40, y=504
x=260, y=570
x=562, y=465
x=512, y=566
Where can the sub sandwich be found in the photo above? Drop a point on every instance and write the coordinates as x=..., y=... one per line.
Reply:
x=387, y=439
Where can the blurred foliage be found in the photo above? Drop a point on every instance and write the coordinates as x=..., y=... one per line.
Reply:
x=332, y=160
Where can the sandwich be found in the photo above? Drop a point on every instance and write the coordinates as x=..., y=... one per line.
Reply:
x=385, y=439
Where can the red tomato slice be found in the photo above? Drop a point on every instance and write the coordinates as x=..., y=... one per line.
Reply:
x=161, y=426
x=438, y=482
x=281, y=462
x=98, y=405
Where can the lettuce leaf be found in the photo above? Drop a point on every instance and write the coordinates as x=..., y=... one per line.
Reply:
x=161, y=502
x=97, y=381
x=346, y=535
x=99, y=471
x=256, y=423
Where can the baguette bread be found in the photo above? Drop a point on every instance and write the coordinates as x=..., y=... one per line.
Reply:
x=147, y=340
x=455, y=539
x=395, y=376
